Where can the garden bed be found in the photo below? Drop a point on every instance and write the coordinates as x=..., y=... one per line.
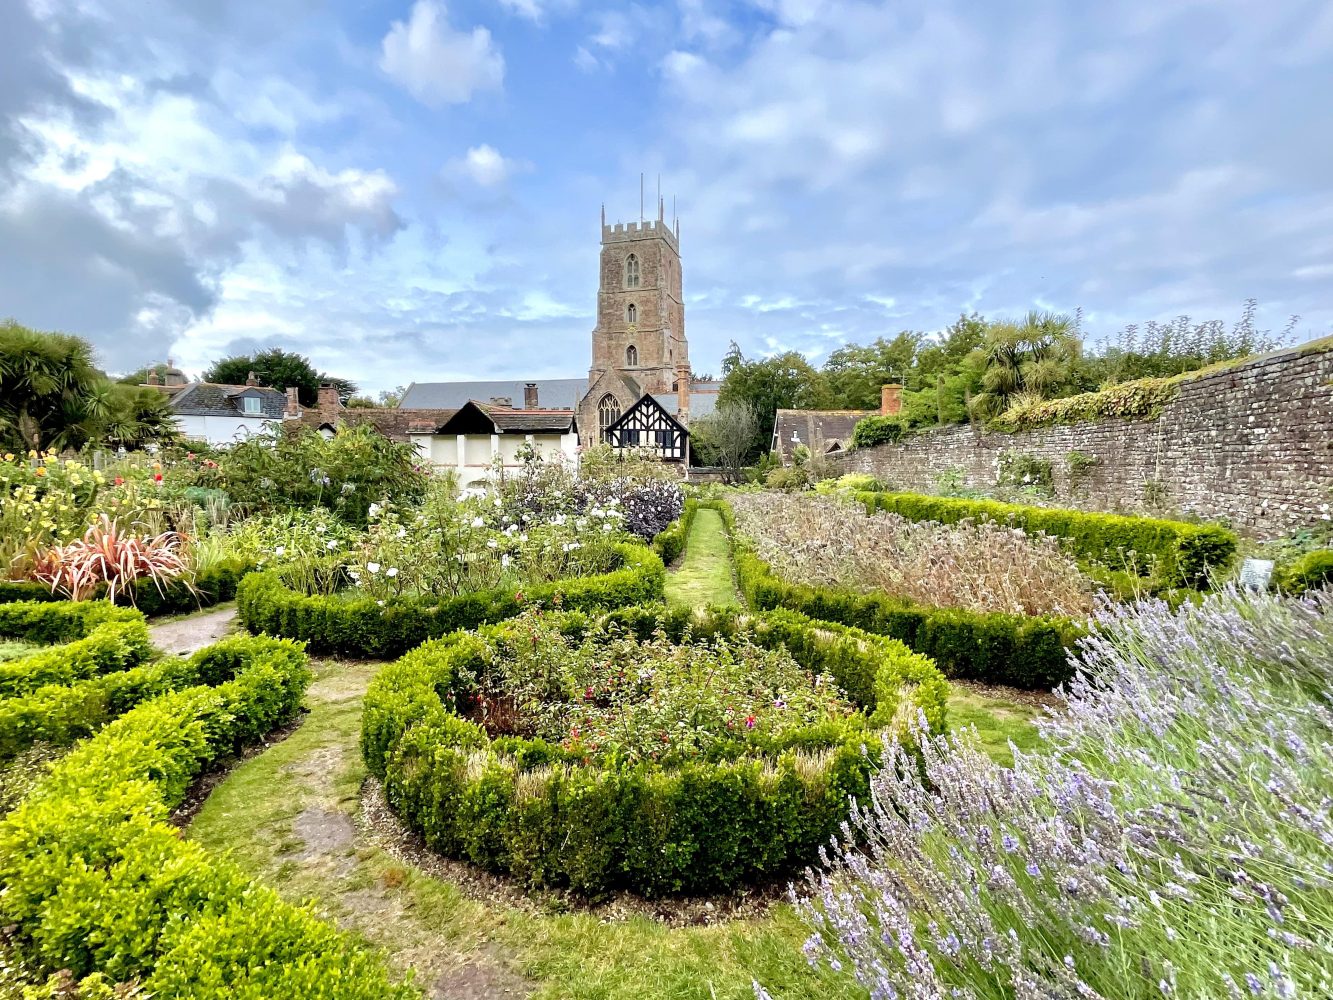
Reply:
x=694, y=782
x=378, y=627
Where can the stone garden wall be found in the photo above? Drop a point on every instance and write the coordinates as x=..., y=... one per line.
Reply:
x=1252, y=444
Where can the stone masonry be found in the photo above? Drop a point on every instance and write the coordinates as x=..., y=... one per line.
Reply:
x=1251, y=445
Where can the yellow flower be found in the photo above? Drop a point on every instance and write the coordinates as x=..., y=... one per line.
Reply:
x=39, y=471
x=9, y=456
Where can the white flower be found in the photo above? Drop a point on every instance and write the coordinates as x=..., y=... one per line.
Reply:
x=373, y=510
x=320, y=529
x=498, y=503
x=504, y=562
x=332, y=543
x=380, y=603
x=478, y=522
x=606, y=527
x=402, y=532
x=373, y=567
x=491, y=543
x=281, y=550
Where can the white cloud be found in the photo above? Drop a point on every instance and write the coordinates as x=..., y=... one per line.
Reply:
x=436, y=63
x=484, y=166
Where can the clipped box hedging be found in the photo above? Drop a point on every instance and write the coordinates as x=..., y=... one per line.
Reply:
x=1184, y=553
x=1312, y=570
x=213, y=586
x=97, y=881
x=994, y=647
x=524, y=807
x=90, y=639
x=670, y=542
x=59, y=714
x=361, y=626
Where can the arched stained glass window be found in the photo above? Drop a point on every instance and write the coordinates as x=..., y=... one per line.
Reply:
x=608, y=412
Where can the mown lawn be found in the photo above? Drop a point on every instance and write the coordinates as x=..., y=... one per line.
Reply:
x=705, y=575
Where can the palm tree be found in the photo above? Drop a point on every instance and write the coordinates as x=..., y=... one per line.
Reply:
x=45, y=379
x=1034, y=358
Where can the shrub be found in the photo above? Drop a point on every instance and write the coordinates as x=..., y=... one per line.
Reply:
x=59, y=714
x=670, y=542
x=824, y=541
x=788, y=479
x=213, y=585
x=994, y=647
x=1185, y=554
x=873, y=430
x=96, y=881
x=555, y=816
x=107, y=647
x=1173, y=839
x=364, y=626
x=109, y=559
x=1314, y=569
x=851, y=482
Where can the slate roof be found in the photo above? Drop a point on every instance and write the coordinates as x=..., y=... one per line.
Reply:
x=701, y=403
x=815, y=427
x=210, y=399
x=552, y=392
x=507, y=421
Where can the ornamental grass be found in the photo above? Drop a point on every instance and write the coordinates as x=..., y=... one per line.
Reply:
x=1175, y=841
x=825, y=541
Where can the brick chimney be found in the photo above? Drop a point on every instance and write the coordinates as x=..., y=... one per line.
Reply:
x=530, y=396
x=152, y=376
x=329, y=405
x=251, y=379
x=683, y=392
x=890, y=400
x=293, y=410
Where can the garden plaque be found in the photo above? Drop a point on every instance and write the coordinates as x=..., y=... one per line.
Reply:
x=1255, y=574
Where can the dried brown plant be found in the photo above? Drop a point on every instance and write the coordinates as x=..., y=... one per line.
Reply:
x=825, y=541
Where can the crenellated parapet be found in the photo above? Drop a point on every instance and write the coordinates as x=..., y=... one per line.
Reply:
x=627, y=232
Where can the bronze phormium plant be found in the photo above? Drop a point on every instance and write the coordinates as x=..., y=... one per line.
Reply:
x=110, y=555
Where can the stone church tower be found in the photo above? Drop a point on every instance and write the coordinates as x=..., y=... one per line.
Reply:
x=638, y=345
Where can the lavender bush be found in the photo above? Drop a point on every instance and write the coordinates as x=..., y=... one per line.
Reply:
x=1176, y=840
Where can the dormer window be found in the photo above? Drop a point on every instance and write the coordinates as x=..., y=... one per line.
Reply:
x=631, y=356
x=252, y=406
x=631, y=271
x=631, y=313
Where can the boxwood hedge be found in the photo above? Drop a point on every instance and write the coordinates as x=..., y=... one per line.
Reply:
x=1184, y=553
x=1314, y=569
x=89, y=639
x=993, y=647
x=360, y=626
x=97, y=881
x=522, y=806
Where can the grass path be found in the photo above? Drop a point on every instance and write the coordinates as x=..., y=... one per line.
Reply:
x=705, y=575
x=289, y=816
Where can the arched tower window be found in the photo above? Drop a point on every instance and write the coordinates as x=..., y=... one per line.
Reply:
x=631, y=271
x=631, y=356
x=631, y=313
x=608, y=412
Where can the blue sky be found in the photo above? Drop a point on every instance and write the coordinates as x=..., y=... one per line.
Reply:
x=411, y=190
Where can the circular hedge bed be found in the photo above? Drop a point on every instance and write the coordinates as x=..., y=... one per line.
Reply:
x=362, y=626
x=650, y=750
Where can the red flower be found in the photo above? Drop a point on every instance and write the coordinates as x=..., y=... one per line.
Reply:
x=120, y=480
x=190, y=456
x=157, y=477
x=749, y=722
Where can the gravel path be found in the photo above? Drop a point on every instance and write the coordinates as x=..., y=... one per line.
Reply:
x=186, y=635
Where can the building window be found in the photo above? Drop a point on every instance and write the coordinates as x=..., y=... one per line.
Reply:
x=608, y=412
x=631, y=356
x=252, y=406
x=631, y=271
x=631, y=313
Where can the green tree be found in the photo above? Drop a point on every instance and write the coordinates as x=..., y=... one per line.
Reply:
x=278, y=369
x=53, y=396
x=784, y=381
x=1036, y=357
x=854, y=374
x=726, y=437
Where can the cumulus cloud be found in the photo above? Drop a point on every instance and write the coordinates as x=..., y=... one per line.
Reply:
x=436, y=63
x=484, y=166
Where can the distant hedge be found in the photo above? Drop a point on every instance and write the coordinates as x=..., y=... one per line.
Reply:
x=1314, y=569
x=1185, y=553
x=993, y=647
x=97, y=881
x=213, y=586
x=522, y=806
x=360, y=626
x=670, y=542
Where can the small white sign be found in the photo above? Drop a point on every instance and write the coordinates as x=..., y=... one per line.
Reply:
x=1256, y=573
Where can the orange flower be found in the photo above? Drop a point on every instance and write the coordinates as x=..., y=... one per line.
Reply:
x=40, y=470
